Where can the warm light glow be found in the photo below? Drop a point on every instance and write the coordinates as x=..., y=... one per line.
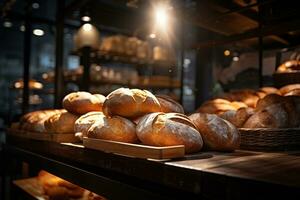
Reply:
x=236, y=58
x=38, y=32
x=226, y=53
x=161, y=17
x=22, y=28
x=35, y=5
x=7, y=24
x=152, y=35
x=87, y=27
x=85, y=18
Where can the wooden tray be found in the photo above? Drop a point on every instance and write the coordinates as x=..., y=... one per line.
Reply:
x=270, y=139
x=134, y=150
x=53, y=137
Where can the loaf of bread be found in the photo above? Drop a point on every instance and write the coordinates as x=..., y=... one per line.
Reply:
x=247, y=96
x=84, y=122
x=295, y=92
x=217, y=133
x=285, y=89
x=130, y=103
x=34, y=121
x=239, y=117
x=268, y=100
x=57, y=188
x=61, y=123
x=168, y=129
x=82, y=102
x=168, y=105
x=93, y=196
x=114, y=128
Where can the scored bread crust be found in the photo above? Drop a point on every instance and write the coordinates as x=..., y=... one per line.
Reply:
x=130, y=103
x=218, y=134
x=82, y=102
x=84, y=122
x=168, y=129
x=168, y=105
x=114, y=128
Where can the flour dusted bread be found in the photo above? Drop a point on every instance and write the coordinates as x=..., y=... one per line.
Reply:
x=169, y=105
x=239, y=117
x=83, y=102
x=61, y=123
x=167, y=129
x=130, y=103
x=217, y=133
x=114, y=128
x=84, y=122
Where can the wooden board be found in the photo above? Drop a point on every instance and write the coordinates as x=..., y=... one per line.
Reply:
x=53, y=137
x=134, y=150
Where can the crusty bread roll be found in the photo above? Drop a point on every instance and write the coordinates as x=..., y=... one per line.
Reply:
x=130, y=103
x=168, y=129
x=34, y=121
x=268, y=100
x=61, y=123
x=237, y=105
x=57, y=188
x=216, y=106
x=168, y=105
x=247, y=96
x=285, y=89
x=273, y=116
x=295, y=92
x=114, y=128
x=217, y=133
x=269, y=90
x=239, y=117
x=82, y=102
x=84, y=122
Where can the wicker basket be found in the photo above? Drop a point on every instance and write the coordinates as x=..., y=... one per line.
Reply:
x=265, y=139
x=282, y=79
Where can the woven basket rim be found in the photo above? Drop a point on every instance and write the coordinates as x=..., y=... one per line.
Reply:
x=269, y=129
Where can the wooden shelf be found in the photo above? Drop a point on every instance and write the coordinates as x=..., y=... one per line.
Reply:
x=214, y=175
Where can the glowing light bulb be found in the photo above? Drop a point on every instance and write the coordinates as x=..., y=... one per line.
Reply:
x=38, y=32
x=87, y=27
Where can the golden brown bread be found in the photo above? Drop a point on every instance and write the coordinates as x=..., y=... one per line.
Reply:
x=34, y=121
x=285, y=89
x=130, y=103
x=84, y=122
x=216, y=106
x=268, y=100
x=57, y=188
x=289, y=66
x=168, y=129
x=269, y=90
x=169, y=105
x=93, y=196
x=114, y=128
x=295, y=92
x=82, y=102
x=247, y=96
x=239, y=117
x=217, y=133
x=61, y=123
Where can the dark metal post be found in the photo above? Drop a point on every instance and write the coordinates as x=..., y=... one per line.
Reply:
x=27, y=55
x=86, y=62
x=260, y=46
x=182, y=51
x=59, y=54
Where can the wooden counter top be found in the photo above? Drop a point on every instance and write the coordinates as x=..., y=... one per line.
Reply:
x=209, y=175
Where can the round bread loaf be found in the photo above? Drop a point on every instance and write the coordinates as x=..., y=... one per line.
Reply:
x=242, y=116
x=247, y=96
x=295, y=92
x=273, y=116
x=168, y=129
x=82, y=102
x=114, y=128
x=230, y=116
x=84, y=122
x=130, y=103
x=285, y=89
x=268, y=100
x=168, y=105
x=217, y=133
x=61, y=123
x=237, y=105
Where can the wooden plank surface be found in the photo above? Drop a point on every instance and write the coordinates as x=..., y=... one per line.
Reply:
x=134, y=150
